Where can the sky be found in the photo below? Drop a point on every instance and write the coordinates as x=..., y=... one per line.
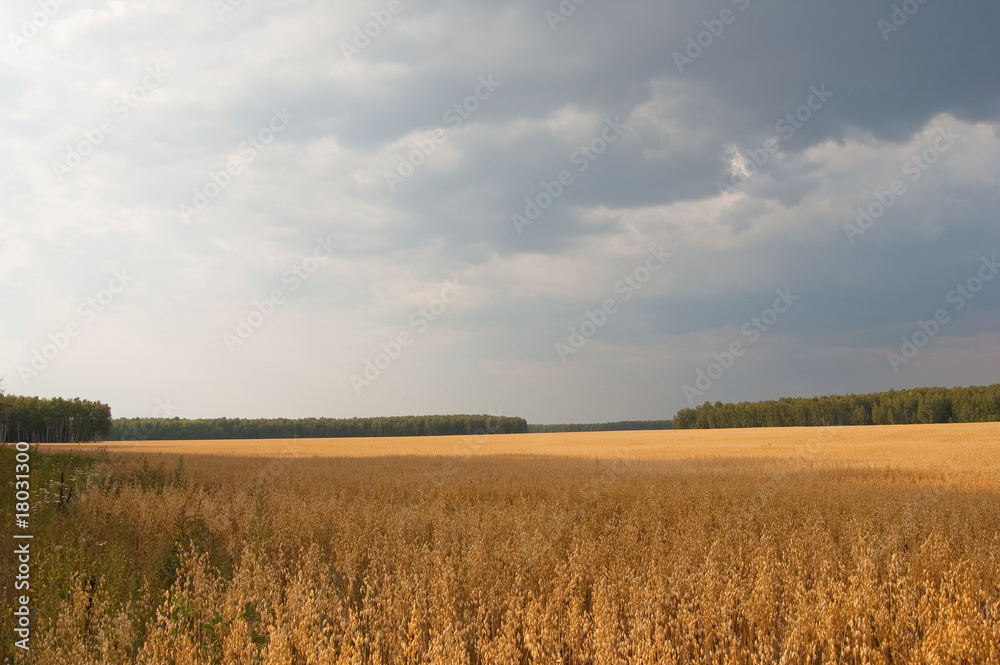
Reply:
x=575, y=211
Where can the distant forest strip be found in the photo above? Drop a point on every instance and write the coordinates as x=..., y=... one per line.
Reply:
x=601, y=427
x=141, y=429
x=896, y=407
x=38, y=420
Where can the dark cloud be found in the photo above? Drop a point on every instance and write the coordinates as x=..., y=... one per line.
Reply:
x=720, y=118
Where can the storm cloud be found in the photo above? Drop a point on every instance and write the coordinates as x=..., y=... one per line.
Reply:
x=393, y=207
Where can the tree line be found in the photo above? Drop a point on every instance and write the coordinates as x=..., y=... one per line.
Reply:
x=620, y=425
x=895, y=407
x=136, y=429
x=38, y=420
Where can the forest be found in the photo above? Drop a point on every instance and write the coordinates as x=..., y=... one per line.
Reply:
x=620, y=425
x=895, y=407
x=139, y=429
x=38, y=420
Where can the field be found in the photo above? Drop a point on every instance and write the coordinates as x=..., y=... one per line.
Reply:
x=831, y=545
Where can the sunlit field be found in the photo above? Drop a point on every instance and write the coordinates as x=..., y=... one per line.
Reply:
x=833, y=545
x=896, y=446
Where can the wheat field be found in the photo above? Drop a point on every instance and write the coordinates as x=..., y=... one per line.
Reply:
x=833, y=545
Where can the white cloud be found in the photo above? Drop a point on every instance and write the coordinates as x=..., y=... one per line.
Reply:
x=353, y=121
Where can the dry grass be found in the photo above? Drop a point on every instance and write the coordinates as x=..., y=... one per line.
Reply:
x=760, y=546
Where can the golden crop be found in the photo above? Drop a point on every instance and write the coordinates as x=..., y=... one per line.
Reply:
x=845, y=545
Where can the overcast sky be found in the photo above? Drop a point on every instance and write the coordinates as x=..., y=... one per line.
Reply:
x=557, y=211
